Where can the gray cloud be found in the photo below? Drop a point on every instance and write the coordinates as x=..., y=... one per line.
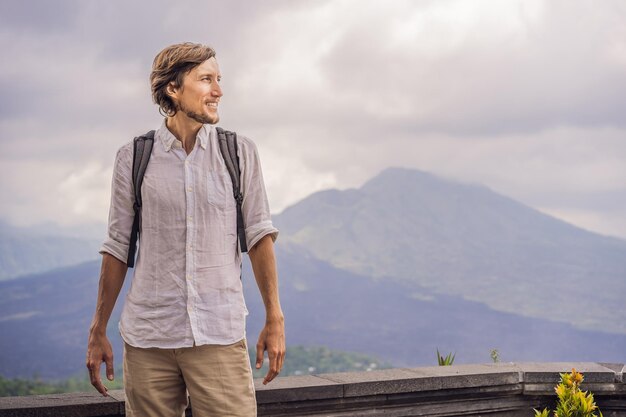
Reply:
x=524, y=96
x=563, y=66
x=39, y=16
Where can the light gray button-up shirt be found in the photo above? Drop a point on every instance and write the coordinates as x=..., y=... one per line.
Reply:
x=186, y=287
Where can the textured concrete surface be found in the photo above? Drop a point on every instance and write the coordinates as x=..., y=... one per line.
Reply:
x=404, y=380
x=503, y=389
x=82, y=404
x=297, y=388
x=550, y=372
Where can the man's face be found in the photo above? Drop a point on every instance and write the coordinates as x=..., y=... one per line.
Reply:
x=200, y=93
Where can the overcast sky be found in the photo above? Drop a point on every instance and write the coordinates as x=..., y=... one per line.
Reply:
x=525, y=97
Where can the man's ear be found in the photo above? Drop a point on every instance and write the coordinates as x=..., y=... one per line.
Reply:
x=171, y=89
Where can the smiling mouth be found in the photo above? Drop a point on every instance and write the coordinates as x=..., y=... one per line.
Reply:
x=212, y=105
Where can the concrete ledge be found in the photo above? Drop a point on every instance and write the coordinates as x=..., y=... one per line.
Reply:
x=550, y=372
x=80, y=404
x=424, y=379
x=540, y=378
x=297, y=388
x=506, y=389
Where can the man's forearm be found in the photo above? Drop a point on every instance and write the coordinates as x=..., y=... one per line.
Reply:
x=264, y=266
x=112, y=276
x=272, y=336
x=99, y=349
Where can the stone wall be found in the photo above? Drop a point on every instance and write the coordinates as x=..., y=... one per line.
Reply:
x=503, y=389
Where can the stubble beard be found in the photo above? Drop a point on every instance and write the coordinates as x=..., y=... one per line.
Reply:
x=200, y=118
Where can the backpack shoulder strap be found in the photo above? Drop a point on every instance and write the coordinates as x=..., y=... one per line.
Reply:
x=228, y=148
x=142, y=148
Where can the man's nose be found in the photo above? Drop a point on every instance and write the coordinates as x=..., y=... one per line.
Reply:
x=217, y=91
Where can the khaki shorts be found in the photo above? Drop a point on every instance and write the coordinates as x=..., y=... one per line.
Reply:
x=218, y=379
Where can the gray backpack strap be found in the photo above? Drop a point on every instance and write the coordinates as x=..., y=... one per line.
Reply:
x=142, y=148
x=228, y=148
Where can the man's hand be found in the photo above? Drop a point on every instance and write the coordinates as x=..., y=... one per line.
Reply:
x=99, y=350
x=98, y=347
x=272, y=339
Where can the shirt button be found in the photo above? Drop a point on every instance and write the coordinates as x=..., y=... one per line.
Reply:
x=189, y=189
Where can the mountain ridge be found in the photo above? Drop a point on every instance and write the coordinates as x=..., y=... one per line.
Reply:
x=29, y=250
x=322, y=305
x=465, y=240
x=397, y=268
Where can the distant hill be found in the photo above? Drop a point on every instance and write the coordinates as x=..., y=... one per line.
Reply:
x=404, y=265
x=405, y=324
x=466, y=241
x=44, y=320
x=303, y=360
x=31, y=250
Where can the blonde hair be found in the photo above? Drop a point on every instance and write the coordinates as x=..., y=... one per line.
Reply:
x=170, y=66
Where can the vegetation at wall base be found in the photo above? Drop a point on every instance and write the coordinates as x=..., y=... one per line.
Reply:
x=445, y=360
x=22, y=386
x=307, y=360
x=572, y=402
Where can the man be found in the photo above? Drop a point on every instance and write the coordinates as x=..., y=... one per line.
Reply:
x=183, y=321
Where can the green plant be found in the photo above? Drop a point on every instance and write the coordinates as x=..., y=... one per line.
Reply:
x=572, y=402
x=495, y=355
x=445, y=361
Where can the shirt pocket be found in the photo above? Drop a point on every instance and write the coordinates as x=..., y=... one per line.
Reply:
x=218, y=222
x=219, y=189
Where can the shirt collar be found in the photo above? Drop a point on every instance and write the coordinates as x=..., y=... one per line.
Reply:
x=203, y=135
x=168, y=139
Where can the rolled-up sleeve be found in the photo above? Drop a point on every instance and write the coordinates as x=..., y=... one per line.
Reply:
x=121, y=212
x=255, y=207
